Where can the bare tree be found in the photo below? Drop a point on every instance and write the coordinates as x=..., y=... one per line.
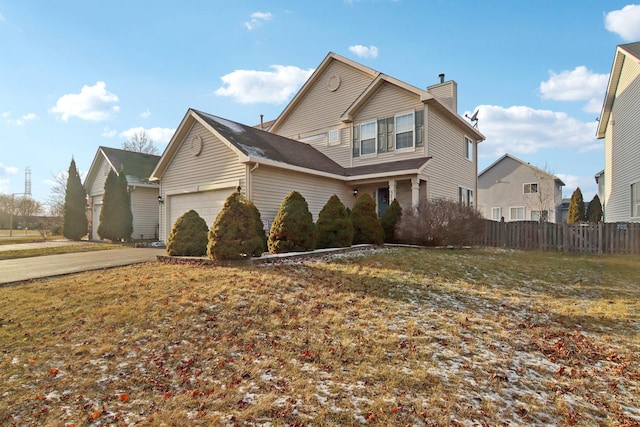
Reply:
x=540, y=196
x=57, y=195
x=140, y=143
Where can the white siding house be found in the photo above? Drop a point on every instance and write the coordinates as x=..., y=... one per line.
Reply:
x=513, y=190
x=144, y=194
x=349, y=130
x=619, y=126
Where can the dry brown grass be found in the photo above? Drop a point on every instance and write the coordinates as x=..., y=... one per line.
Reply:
x=385, y=337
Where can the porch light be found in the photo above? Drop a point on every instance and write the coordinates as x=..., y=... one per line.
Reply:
x=160, y=200
x=355, y=192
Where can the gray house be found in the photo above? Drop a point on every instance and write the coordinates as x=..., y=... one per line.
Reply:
x=513, y=190
x=619, y=126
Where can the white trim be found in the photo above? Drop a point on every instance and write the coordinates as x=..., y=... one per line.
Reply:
x=335, y=141
x=469, y=153
x=524, y=213
x=375, y=137
x=530, y=184
x=497, y=209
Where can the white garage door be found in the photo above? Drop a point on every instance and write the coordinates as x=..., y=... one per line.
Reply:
x=206, y=203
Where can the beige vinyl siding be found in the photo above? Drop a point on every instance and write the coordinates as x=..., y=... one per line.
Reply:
x=321, y=109
x=144, y=207
x=446, y=147
x=216, y=165
x=271, y=185
x=97, y=186
x=339, y=153
x=447, y=93
x=625, y=131
x=388, y=101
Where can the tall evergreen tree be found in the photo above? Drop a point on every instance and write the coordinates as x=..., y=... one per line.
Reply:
x=75, y=205
x=116, y=219
x=576, y=208
x=293, y=228
x=366, y=225
x=335, y=229
x=594, y=210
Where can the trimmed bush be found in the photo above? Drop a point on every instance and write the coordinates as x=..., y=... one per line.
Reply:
x=237, y=232
x=335, y=229
x=188, y=235
x=293, y=229
x=366, y=225
x=440, y=222
x=389, y=219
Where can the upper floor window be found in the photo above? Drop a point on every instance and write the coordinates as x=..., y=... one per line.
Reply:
x=334, y=137
x=468, y=148
x=404, y=130
x=530, y=188
x=368, y=138
x=635, y=199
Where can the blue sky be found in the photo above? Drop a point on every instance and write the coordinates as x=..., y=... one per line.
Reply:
x=76, y=74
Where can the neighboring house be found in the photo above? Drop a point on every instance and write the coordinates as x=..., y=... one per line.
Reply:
x=513, y=190
x=600, y=180
x=144, y=194
x=619, y=126
x=349, y=130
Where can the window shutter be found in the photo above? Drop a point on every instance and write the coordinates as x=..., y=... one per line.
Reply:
x=390, y=134
x=419, y=127
x=356, y=140
x=382, y=136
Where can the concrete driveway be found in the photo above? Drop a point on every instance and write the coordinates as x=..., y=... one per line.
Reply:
x=19, y=270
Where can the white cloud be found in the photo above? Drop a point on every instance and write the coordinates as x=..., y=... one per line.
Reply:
x=257, y=19
x=107, y=132
x=587, y=184
x=364, y=51
x=92, y=103
x=578, y=84
x=6, y=114
x=271, y=87
x=624, y=22
x=8, y=170
x=157, y=135
x=145, y=114
x=22, y=120
x=524, y=130
x=5, y=180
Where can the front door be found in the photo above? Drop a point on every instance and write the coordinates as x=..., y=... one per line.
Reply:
x=383, y=200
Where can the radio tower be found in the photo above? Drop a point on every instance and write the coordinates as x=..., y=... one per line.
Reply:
x=27, y=182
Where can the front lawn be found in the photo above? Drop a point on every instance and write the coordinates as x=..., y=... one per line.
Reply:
x=379, y=337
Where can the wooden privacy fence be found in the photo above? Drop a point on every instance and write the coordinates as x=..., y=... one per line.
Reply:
x=607, y=238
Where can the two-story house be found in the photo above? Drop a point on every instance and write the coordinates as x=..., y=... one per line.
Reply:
x=513, y=190
x=348, y=130
x=619, y=126
x=137, y=168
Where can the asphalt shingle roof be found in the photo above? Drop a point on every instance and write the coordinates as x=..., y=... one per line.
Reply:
x=139, y=165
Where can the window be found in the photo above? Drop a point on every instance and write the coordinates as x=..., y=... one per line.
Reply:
x=516, y=213
x=468, y=148
x=635, y=199
x=465, y=196
x=496, y=214
x=404, y=130
x=535, y=215
x=368, y=138
x=334, y=137
x=530, y=188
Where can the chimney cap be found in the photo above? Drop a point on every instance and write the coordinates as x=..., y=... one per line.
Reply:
x=441, y=75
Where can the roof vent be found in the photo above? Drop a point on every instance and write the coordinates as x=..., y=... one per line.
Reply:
x=441, y=77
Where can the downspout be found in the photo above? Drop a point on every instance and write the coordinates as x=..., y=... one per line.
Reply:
x=249, y=194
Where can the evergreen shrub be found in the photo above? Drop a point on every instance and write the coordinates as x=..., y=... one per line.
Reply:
x=335, y=229
x=389, y=219
x=366, y=225
x=293, y=229
x=188, y=235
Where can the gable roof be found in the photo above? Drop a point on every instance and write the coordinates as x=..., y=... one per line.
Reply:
x=261, y=147
x=509, y=156
x=623, y=51
x=137, y=167
x=326, y=62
